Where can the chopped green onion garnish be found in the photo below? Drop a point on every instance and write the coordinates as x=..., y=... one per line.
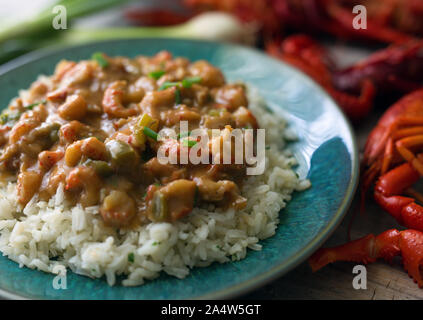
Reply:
x=4, y=118
x=150, y=133
x=214, y=113
x=15, y=116
x=156, y=74
x=99, y=58
x=177, y=96
x=167, y=85
x=188, y=82
x=183, y=134
x=9, y=117
x=131, y=257
x=29, y=107
x=189, y=143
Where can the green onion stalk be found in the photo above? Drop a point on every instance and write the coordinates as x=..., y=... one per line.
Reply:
x=208, y=26
x=24, y=36
x=215, y=26
x=42, y=22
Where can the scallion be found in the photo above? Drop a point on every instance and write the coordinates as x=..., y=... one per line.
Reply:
x=4, y=118
x=183, y=134
x=156, y=74
x=214, y=113
x=32, y=105
x=150, y=133
x=188, y=82
x=100, y=59
x=189, y=143
x=178, y=99
x=9, y=118
x=18, y=38
x=167, y=85
x=40, y=22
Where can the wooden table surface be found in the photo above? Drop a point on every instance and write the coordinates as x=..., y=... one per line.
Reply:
x=384, y=281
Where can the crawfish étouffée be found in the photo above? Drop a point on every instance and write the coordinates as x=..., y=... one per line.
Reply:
x=87, y=127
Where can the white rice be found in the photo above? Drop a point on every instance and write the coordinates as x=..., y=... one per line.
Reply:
x=46, y=235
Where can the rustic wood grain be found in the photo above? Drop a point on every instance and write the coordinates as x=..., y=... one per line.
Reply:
x=384, y=281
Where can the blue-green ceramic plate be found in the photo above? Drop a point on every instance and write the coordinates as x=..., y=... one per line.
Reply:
x=326, y=152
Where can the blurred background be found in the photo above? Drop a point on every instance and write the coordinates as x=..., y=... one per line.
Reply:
x=364, y=69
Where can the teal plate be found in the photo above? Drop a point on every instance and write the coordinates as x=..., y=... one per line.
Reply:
x=326, y=152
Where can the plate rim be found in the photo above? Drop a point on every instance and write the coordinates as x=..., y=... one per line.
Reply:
x=300, y=256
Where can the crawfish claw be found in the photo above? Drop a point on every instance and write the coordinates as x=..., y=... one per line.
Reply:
x=387, y=245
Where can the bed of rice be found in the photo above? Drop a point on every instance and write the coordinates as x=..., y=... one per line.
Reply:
x=46, y=235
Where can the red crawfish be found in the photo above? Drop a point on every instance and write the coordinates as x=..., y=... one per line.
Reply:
x=393, y=162
x=306, y=54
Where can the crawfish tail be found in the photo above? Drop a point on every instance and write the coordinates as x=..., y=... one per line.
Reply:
x=364, y=250
x=357, y=251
